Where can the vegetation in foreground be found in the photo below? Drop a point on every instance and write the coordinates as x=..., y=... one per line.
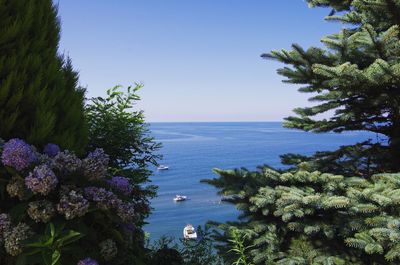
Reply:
x=86, y=206
x=40, y=100
x=334, y=207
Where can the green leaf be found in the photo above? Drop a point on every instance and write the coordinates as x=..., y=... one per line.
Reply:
x=52, y=230
x=70, y=237
x=55, y=257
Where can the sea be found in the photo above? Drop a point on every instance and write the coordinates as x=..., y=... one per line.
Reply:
x=193, y=150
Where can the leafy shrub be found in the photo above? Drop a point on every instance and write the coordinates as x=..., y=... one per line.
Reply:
x=121, y=132
x=57, y=208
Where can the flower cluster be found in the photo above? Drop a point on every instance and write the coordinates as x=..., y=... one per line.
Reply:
x=57, y=185
x=16, y=187
x=41, y=211
x=107, y=200
x=120, y=184
x=5, y=224
x=14, y=237
x=66, y=162
x=95, y=165
x=18, y=154
x=108, y=249
x=126, y=211
x=88, y=261
x=104, y=199
x=42, y=180
x=73, y=205
x=51, y=150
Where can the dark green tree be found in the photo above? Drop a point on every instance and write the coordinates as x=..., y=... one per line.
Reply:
x=39, y=97
x=355, y=77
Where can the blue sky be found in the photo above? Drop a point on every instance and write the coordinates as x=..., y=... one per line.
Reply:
x=199, y=60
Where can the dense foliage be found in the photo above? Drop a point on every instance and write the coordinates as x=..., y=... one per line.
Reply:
x=355, y=77
x=122, y=133
x=304, y=217
x=58, y=209
x=39, y=97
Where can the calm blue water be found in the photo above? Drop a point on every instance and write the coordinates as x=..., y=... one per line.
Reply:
x=192, y=150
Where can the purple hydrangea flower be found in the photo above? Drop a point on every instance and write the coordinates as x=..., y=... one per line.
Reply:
x=95, y=164
x=42, y=180
x=126, y=211
x=73, y=205
x=88, y=261
x=105, y=199
x=51, y=149
x=66, y=162
x=18, y=154
x=121, y=184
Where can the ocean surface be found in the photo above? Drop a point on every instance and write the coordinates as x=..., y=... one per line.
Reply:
x=192, y=150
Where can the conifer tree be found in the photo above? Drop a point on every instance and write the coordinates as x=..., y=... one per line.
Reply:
x=303, y=217
x=356, y=76
x=39, y=98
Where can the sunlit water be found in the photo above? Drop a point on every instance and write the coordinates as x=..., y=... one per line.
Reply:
x=192, y=150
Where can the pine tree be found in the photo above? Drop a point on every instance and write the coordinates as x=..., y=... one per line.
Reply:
x=351, y=215
x=39, y=98
x=356, y=76
x=303, y=217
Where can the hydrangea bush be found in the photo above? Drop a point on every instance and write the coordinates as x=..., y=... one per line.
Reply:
x=57, y=208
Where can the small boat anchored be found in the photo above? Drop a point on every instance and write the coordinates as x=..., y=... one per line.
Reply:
x=162, y=167
x=189, y=232
x=180, y=198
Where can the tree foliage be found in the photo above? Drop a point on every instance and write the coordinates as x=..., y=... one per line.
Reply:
x=122, y=131
x=40, y=100
x=303, y=217
x=123, y=134
x=355, y=76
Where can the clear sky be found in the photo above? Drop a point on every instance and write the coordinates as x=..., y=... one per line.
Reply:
x=198, y=59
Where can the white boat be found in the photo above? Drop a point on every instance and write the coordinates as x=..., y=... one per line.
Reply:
x=180, y=198
x=162, y=167
x=189, y=232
